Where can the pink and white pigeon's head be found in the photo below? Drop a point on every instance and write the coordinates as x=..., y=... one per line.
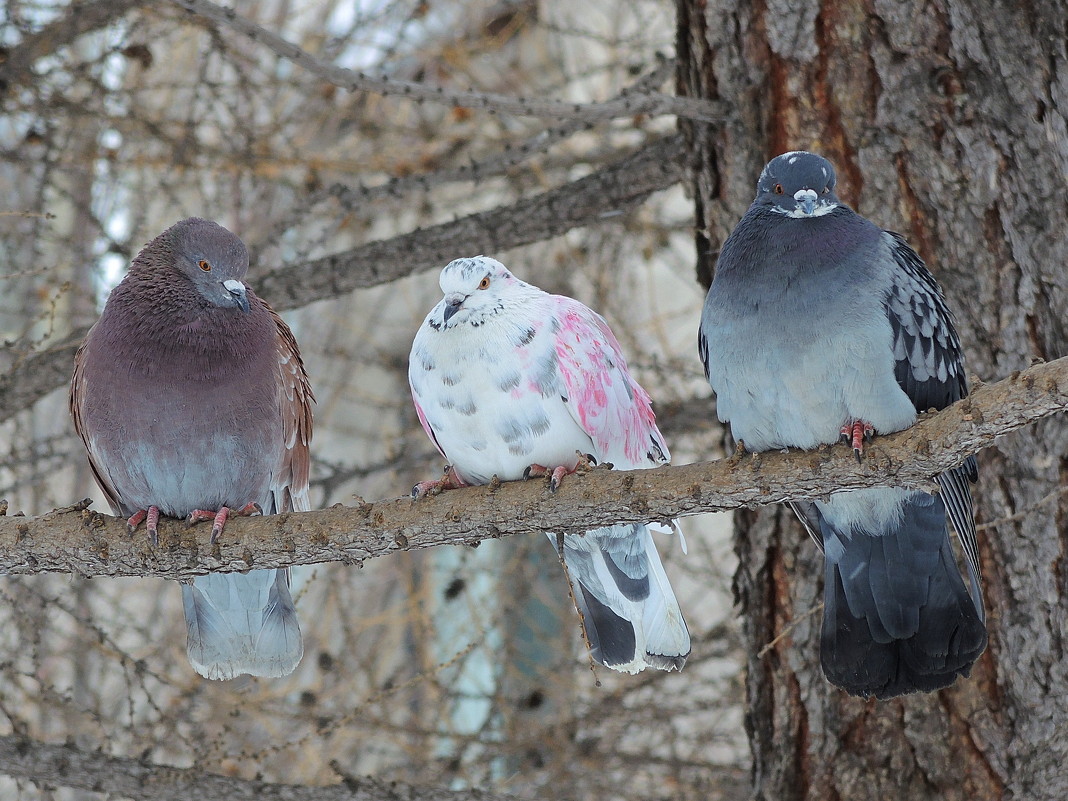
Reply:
x=476, y=289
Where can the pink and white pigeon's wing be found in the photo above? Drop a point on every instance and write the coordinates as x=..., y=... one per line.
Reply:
x=603, y=397
x=632, y=617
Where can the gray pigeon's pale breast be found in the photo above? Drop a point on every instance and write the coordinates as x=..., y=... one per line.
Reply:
x=790, y=367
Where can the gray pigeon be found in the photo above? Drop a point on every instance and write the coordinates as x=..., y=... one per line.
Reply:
x=820, y=326
x=193, y=402
x=510, y=381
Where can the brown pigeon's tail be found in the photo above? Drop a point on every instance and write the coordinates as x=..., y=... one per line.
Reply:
x=242, y=623
x=897, y=617
x=631, y=616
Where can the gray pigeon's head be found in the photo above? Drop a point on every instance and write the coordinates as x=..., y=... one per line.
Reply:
x=475, y=289
x=797, y=184
x=213, y=259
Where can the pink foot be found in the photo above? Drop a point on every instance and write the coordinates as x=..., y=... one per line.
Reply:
x=152, y=516
x=220, y=517
x=585, y=462
x=857, y=433
x=448, y=481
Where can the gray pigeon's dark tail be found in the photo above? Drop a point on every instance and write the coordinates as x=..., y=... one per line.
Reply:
x=242, y=623
x=897, y=617
x=631, y=616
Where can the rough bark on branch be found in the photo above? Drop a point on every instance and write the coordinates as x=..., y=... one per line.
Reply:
x=616, y=188
x=67, y=766
x=91, y=544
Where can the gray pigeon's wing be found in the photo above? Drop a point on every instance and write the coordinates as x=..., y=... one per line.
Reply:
x=76, y=401
x=289, y=484
x=929, y=367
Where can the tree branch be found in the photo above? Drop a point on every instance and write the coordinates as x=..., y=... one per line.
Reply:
x=68, y=766
x=17, y=68
x=653, y=103
x=91, y=544
x=613, y=190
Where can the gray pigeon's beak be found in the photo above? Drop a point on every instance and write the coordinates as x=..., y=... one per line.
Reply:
x=238, y=293
x=453, y=304
x=806, y=198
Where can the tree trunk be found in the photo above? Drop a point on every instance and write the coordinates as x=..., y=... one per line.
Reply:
x=947, y=122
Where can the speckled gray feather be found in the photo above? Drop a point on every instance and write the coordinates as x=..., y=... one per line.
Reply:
x=189, y=393
x=817, y=319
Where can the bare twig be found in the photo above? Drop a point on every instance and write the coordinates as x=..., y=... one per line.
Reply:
x=349, y=197
x=653, y=103
x=17, y=69
x=92, y=544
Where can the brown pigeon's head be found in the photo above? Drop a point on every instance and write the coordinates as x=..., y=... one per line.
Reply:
x=213, y=259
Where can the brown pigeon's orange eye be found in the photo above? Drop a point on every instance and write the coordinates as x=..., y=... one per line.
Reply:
x=484, y=283
x=778, y=189
x=205, y=266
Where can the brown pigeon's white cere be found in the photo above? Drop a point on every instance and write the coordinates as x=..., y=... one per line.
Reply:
x=193, y=402
x=511, y=381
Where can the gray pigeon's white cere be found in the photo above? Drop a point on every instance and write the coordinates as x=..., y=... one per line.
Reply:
x=510, y=381
x=818, y=326
x=193, y=402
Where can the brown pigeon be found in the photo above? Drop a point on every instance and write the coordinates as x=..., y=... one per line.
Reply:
x=193, y=402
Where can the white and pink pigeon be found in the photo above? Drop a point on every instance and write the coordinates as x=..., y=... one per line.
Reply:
x=513, y=382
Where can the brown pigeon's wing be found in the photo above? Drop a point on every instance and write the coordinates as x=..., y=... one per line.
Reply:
x=289, y=486
x=76, y=401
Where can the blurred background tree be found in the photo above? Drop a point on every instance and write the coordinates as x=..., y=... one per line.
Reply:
x=357, y=148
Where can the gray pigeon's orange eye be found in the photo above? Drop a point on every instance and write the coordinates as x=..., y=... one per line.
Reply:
x=778, y=189
x=484, y=283
x=203, y=265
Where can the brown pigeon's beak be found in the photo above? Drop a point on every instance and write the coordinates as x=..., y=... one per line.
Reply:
x=238, y=293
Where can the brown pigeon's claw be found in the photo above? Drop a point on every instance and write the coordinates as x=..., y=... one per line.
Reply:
x=151, y=515
x=248, y=510
x=135, y=520
x=152, y=524
x=218, y=518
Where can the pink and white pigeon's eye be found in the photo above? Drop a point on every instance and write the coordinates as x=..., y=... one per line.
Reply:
x=484, y=283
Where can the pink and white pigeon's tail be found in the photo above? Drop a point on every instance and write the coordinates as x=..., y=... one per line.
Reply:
x=632, y=618
x=242, y=623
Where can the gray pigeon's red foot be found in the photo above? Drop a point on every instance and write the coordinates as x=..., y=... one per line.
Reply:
x=447, y=482
x=151, y=515
x=220, y=517
x=857, y=433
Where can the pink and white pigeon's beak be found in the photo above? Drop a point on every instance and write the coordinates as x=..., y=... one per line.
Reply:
x=453, y=303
